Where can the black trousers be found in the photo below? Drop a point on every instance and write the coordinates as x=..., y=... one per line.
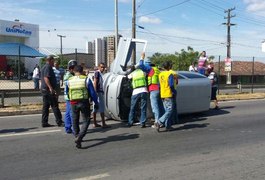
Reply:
x=50, y=100
x=83, y=107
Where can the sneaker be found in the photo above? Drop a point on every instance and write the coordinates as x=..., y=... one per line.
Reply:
x=143, y=126
x=153, y=126
x=157, y=126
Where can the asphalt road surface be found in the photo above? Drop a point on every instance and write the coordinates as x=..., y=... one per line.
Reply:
x=219, y=144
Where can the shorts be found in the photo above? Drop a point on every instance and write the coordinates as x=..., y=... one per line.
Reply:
x=101, y=104
x=213, y=95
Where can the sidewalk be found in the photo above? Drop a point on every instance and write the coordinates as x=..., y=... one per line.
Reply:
x=36, y=108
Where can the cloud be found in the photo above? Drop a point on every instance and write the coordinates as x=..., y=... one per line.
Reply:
x=148, y=20
x=255, y=5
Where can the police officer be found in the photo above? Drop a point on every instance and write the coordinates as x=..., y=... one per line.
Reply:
x=139, y=85
x=68, y=115
x=79, y=89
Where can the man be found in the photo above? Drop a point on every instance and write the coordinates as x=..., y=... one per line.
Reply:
x=98, y=85
x=139, y=85
x=154, y=90
x=174, y=116
x=58, y=77
x=79, y=89
x=68, y=115
x=213, y=77
x=167, y=90
x=48, y=85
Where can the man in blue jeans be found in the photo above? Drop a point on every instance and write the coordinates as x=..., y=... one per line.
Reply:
x=167, y=91
x=139, y=92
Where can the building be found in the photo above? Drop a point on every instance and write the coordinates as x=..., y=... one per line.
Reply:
x=85, y=59
x=19, y=32
x=100, y=49
x=242, y=72
x=111, y=51
x=104, y=49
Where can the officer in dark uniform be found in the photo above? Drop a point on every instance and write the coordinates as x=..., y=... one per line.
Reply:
x=48, y=85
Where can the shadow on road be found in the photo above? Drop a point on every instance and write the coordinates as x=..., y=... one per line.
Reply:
x=116, y=125
x=18, y=130
x=120, y=137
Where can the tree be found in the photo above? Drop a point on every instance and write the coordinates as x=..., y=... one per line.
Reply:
x=181, y=61
x=63, y=62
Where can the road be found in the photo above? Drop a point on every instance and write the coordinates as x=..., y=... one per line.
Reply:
x=219, y=144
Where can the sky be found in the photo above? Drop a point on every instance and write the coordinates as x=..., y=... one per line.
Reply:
x=169, y=25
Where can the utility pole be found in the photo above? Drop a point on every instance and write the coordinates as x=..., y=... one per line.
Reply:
x=61, y=43
x=228, y=43
x=116, y=26
x=133, y=31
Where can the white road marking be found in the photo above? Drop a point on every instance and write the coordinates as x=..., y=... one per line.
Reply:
x=99, y=176
x=29, y=133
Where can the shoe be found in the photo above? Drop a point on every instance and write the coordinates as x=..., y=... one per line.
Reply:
x=153, y=126
x=216, y=107
x=69, y=131
x=129, y=125
x=106, y=126
x=78, y=143
x=157, y=125
x=96, y=125
x=143, y=126
x=123, y=67
x=61, y=124
x=47, y=125
x=169, y=129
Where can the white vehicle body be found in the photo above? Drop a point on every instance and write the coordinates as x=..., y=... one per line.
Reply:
x=193, y=90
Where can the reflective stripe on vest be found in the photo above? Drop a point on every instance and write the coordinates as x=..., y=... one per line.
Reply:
x=165, y=90
x=138, y=79
x=154, y=78
x=77, y=88
x=65, y=78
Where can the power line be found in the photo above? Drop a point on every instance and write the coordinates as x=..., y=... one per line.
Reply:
x=179, y=37
x=164, y=8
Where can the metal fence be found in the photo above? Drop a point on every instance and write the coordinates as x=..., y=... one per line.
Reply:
x=15, y=90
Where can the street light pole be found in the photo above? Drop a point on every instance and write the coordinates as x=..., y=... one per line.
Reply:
x=61, y=44
x=133, y=31
x=116, y=26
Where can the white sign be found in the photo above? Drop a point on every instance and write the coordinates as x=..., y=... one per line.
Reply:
x=263, y=46
x=228, y=67
x=14, y=28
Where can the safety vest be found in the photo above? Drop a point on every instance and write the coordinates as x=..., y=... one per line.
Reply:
x=138, y=79
x=77, y=88
x=154, y=78
x=65, y=78
x=165, y=91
